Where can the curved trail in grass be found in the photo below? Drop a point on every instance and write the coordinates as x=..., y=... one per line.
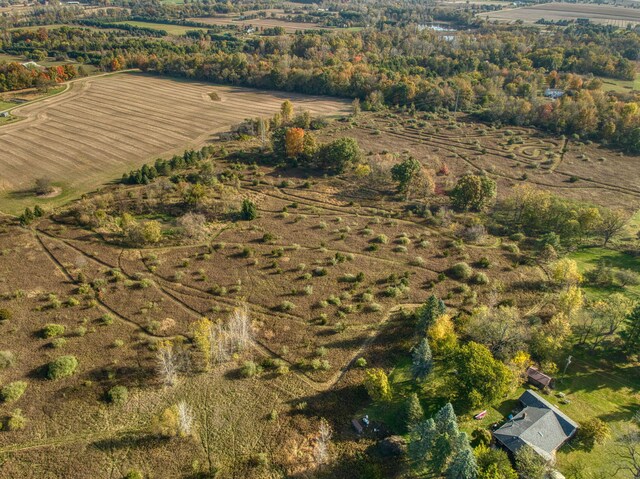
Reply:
x=447, y=146
x=70, y=278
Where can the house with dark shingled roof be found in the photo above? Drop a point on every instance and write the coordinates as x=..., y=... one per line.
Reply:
x=539, y=425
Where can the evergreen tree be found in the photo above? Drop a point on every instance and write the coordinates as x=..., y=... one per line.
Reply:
x=248, y=211
x=463, y=466
x=423, y=436
x=413, y=411
x=631, y=333
x=422, y=360
x=428, y=313
x=446, y=421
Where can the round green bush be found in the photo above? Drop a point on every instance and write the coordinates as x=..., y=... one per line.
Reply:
x=6, y=359
x=52, y=330
x=13, y=391
x=480, y=278
x=461, y=271
x=62, y=367
x=118, y=395
x=134, y=474
x=5, y=314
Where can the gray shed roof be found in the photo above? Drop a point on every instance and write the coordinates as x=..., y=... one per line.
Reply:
x=539, y=425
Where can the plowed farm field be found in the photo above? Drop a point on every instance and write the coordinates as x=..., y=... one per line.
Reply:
x=102, y=127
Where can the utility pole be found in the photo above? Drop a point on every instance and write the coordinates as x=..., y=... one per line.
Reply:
x=567, y=365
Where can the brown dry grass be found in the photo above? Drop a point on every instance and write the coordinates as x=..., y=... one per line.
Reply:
x=100, y=440
x=603, y=176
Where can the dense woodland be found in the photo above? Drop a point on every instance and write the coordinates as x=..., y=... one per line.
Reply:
x=497, y=72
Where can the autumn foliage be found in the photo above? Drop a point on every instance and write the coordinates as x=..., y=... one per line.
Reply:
x=294, y=142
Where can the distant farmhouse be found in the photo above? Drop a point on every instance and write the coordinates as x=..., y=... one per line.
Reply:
x=553, y=93
x=539, y=425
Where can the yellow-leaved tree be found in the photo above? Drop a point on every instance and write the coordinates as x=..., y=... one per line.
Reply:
x=377, y=385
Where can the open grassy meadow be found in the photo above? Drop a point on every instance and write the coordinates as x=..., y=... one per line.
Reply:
x=318, y=293
x=513, y=155
x=603, y=14
x=82, y=138
x=290, y=27
x=170, y=29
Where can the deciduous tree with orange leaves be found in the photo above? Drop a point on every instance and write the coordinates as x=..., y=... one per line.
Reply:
x=294, y=142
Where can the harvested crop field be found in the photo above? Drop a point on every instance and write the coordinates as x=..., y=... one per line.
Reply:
x=104, y=126
x=290, y=27
x=602, y=14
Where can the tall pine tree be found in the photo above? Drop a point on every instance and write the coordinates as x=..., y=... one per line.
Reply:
x=428, y=313
x=421, y=360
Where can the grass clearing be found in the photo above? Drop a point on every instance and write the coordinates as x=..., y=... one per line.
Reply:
x=588, y=259
x=621, y=86
x=170, y=29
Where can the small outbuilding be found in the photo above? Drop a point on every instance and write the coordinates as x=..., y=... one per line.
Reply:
x=538, y=379
x=4, y=114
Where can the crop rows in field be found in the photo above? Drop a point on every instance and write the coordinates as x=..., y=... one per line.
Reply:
x=104, y=126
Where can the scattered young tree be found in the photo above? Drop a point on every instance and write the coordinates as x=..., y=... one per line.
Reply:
x=338, y=155
x=355, y=107
x=294, y=142
x=248, y=210
x=194, y=226
x=501, y=329
x=404, y=172
x=171, y=360
x=43, y=186
x=613, y=309
x=442, y=336
x=565, y=273
x=611, y=223
x=239, y=329
x=286, y=112
x=185, y=419
x=321, y=453
x=413, y=411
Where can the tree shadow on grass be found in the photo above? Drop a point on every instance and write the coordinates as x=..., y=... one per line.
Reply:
x=131, y=440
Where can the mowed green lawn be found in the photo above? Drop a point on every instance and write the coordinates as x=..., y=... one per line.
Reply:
x=170, y=29
x=588, y=259
x=621, y=86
